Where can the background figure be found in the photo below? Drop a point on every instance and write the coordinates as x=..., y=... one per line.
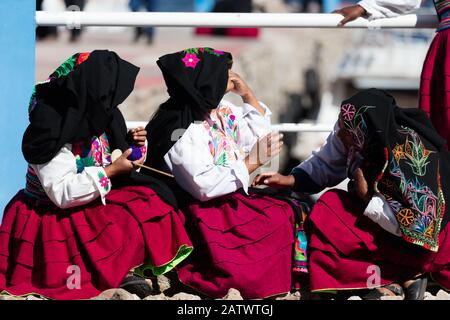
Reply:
x=149, y=5
x=306, y=6
x=44, y=32
x=75, y=33
x=231, y=6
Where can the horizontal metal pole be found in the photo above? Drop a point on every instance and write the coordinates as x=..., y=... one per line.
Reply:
x=75, y=19
x=282, y=127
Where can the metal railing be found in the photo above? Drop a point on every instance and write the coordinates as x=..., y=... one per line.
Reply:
x=191, y=19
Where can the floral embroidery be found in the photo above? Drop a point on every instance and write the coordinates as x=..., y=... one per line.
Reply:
x=348, y=112
x=190, y=60
x=93, y=152
x=418, y=207
x=225, y=138
x=416, y=152
x=63, y=70
x=398, y=152
x=103, y=180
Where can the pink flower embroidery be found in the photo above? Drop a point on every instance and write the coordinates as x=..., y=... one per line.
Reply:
x=218, y=52
x=104, y=181
x=348, y=112
x=143, y=150
x=190, y=60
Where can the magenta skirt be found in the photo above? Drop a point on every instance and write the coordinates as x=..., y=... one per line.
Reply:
x=241, y=242
x=347, y=250
x=434, y=92
x=77, y=253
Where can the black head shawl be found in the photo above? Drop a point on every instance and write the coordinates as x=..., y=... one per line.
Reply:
x=402, y=157
x=196, y=80
x=79, y=101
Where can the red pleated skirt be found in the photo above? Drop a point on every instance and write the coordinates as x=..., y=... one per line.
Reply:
x=347, y=250
x=242, y=242
x=43, y=248
x=434, y=92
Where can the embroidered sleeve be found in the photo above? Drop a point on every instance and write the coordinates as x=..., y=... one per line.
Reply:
x=388, y=8
x=192, y=164
x=65, y=186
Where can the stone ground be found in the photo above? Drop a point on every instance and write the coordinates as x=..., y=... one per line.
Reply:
x=169, y=288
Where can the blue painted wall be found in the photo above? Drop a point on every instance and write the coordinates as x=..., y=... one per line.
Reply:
x=17, y=56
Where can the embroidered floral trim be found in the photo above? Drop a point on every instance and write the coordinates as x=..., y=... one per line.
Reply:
x=191, y=59
x=103, y=180
x=225, y=139
x=93, y=152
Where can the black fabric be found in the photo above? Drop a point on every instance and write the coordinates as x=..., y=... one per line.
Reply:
x=194, y=91
x=304, y=183
x=161, y=188
x=233, y=6
x=80, y=105
x=402, y=157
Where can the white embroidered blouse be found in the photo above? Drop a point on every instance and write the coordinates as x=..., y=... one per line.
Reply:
x=208, y=160
x=76, y=175
x=377, y=9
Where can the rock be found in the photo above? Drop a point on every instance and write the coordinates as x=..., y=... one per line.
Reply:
x=442, y=295
x=8, y=297
x=31, y=297
x=185, y=296
x=355, y=298
x=290, y=296
x=163, y=283
x=429, y=296
x=157, y=297
x=115, y=294
x=233, y=294
x=391, y=298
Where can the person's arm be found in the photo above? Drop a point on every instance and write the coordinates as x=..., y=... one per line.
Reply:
x=191, y=162
x=377, y=9
x=326, y=167
x=65, y=187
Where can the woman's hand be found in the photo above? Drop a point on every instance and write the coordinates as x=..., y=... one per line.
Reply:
x=274, y=179
x=237, y=85
x=266, y=148
x=361, y=186
x=122, y=165
x=351, y=13
x=138, y=136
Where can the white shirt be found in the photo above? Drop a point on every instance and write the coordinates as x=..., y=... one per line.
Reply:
x=192, y=163
x=65, y=187
x=327, y=167
x=377, y=9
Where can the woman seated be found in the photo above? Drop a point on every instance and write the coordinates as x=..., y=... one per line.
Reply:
x=243, y=240
x=391, y=226
x=75, y=230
